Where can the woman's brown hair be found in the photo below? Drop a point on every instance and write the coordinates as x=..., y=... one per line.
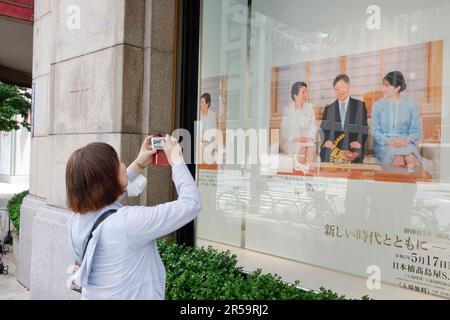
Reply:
x=92, y=180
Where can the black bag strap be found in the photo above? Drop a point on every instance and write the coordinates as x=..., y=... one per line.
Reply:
x=102, y=218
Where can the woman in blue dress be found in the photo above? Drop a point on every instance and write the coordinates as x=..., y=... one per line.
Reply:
x=396, y=125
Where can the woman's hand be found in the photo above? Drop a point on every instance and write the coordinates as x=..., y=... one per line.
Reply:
x=355, y=145
x=173, y=151
x=146, y=154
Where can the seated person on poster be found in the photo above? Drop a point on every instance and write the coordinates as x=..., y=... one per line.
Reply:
x=298, y=126
x=396, y=125
x=208, y=120
x=344, y=125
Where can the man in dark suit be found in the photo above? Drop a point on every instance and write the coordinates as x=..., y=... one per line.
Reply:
x=344, y=124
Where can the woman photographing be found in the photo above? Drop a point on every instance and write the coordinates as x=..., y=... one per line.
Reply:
x=119, y=260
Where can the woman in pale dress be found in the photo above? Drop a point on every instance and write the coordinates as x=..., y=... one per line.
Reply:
x=396, y=125
x=299, y=127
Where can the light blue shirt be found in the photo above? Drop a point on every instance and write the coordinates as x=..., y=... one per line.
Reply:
x=122, y=260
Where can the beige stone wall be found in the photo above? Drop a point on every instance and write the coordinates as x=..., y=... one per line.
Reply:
x=111, y=81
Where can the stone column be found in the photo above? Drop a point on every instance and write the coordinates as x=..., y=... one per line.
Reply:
x=103, y=72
